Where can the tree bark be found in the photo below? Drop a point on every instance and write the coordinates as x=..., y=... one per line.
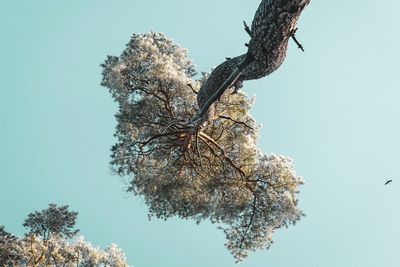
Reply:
x=273, y=25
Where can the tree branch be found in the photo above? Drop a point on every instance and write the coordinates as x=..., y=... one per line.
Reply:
x=299, y=45
x=142, y=144
x=191, y=87
x=250, y=221
x=228, y=159
x=247, y=29
x=235, y=121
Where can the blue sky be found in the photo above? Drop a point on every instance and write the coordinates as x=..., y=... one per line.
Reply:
x=333, y=109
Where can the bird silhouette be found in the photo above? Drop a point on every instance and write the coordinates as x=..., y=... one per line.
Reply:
x=388, y=182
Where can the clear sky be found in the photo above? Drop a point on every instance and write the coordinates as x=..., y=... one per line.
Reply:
x=333, y=109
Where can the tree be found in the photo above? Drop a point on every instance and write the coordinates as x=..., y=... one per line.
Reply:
x=9, y=248
x=55, y=246
x=190, y=144
x=52, y=221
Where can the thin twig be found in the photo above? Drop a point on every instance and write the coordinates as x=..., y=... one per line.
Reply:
x=247, y=29
x=235, y=121
x=299, y=45
x=191, y=87
x=142, y=144
x=250, y=221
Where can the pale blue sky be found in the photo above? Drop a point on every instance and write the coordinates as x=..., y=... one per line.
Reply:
x=333, y=109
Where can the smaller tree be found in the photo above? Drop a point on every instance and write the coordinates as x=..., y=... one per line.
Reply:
x=9, y=248
x=51, y=241
x=52, y=221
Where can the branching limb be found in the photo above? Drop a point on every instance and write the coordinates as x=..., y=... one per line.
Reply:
x=254, y=210
x=206, y=138
x=142, y=144
x=173, y=123
x=235, y=121
x=198, y=149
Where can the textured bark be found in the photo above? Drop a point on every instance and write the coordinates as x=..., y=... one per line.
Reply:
x=273, y=24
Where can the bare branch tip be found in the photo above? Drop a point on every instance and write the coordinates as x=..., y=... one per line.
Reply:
x=247, y=29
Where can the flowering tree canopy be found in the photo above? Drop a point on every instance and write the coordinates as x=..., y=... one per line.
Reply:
x=189, y=145
x=52, y=221
x=55, y=248
x=9, y=248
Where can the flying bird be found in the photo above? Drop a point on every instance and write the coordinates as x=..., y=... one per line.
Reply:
x=388, y=182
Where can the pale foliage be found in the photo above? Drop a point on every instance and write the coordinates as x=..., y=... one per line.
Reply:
x=52, y=241
x=9, y=248
x=57, y=251
x=209, y=171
